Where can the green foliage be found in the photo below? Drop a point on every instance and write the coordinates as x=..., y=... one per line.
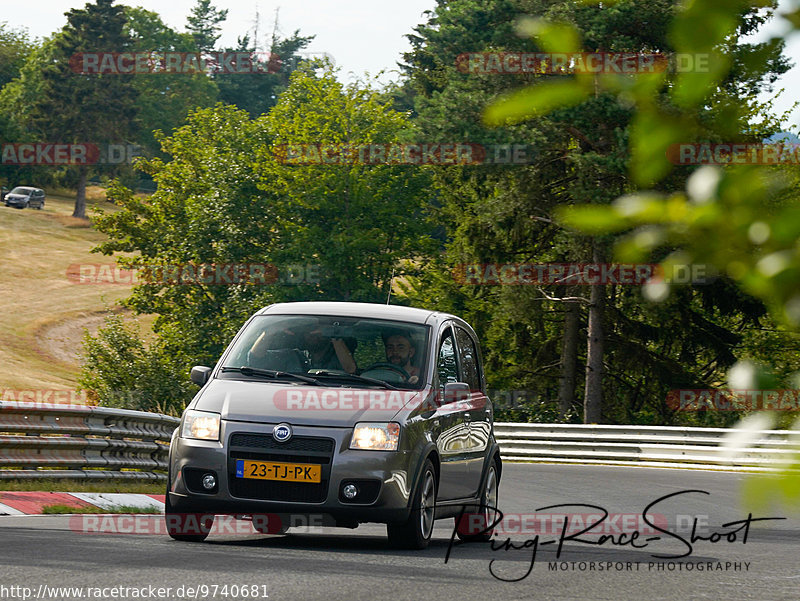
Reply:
x=106, y=111
x=203, y=24
x=164, y=99
x=16, y=100
x=258, y=93
x=15, y=47
x=741, y=219
x=79, y=109
x=119, y=370
x=226, y=198
x=581, y=130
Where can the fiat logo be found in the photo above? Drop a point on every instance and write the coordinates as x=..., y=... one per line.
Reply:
x=282, y=432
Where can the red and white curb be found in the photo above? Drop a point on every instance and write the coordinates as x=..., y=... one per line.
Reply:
x=32, y=502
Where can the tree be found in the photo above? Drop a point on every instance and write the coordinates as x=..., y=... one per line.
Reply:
x=164, y=99
x=227, y=197
x=121, y=371
x=257, y=93
x=16, y=98
x=15, y=47
x=507, y=214
x=203, y=23
x=741, y=218
x=86, y=108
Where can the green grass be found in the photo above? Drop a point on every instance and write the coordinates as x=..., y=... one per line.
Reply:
x=147, y=488
x=61, y=509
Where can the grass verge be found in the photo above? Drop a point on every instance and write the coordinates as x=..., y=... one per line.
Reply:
x=53, y=485
x=61, y=509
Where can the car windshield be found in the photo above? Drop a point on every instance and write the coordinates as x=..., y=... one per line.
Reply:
x=21, y=190
x=341, y=351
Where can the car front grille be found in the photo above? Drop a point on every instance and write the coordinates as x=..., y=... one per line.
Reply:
x=263, y=447
x=266, y=441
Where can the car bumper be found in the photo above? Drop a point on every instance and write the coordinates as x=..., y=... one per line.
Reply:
x=385, y=477
x=16, y=202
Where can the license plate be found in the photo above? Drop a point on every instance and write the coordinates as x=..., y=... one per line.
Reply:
x=276, y=470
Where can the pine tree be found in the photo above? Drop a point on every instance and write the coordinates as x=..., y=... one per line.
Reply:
x=76, y=108
x=203, y=24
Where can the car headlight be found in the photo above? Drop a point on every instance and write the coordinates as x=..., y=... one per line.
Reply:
x=200, y=424
x=374, y=436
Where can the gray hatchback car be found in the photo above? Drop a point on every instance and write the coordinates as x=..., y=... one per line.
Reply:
x=341, y=412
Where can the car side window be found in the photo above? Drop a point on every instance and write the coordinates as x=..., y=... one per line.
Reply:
x=469, y=359
x=446, y=364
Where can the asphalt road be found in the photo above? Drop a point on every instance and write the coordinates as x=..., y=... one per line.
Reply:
x=330, y=564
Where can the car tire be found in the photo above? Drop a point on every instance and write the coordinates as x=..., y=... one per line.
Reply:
x=27, y=204
x=178, y=523
x=415, y=532
x=41, y=206
x=478, y=522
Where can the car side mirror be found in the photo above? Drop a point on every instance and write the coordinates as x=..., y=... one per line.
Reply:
x=200, y=374
x=456, y=391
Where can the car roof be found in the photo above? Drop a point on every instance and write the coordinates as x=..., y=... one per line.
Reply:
x=369, y=310
x=31, y=188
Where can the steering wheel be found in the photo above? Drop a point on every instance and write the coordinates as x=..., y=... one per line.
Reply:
x=389, y=366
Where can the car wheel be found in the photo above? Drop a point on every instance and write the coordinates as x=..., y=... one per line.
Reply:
x=27, y=204
x=474, y=527
x=415, y=532
x=187, y=527
x=41, y=206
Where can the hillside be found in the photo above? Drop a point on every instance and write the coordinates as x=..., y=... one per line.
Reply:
x=44, y=312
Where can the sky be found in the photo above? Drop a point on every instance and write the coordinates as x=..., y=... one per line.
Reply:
x=359, y=35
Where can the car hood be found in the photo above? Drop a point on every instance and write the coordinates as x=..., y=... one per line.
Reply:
x=19, y=196
x=273, y=402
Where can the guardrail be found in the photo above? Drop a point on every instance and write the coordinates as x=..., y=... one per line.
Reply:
x=76, y=441
x=653, y=446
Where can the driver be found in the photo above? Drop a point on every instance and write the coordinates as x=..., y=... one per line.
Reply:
x=400, y=351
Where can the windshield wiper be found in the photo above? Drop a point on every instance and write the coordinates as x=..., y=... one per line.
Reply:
x=273, y=374
x=374, y=381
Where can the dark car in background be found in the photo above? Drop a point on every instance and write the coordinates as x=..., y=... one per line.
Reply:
x=23, y=197
x=344, y=412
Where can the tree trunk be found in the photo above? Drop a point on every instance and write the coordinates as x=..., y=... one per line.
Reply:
x=569, y=359
x=593, y=397
x=80, y=196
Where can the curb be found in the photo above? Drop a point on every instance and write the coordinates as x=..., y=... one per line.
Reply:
x=32, y=502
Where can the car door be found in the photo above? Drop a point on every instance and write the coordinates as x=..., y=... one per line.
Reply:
x=477, y=409
x=453, y=441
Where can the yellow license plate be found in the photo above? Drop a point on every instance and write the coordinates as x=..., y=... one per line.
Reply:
x=276, y=470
